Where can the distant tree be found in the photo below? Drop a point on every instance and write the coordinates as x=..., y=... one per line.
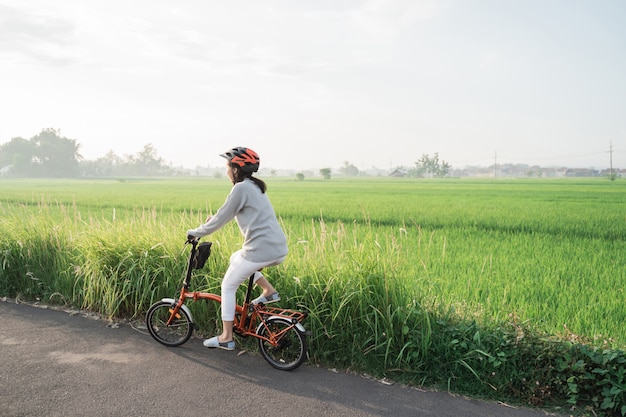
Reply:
x=148, y=162
x=349, y=170
x=20, y=154
x=111, y=161
x=47, y=154
x=144, y=163
x=428, y=166
x=300, y=176
x=105, y=166
x=325, y=173
x=58, y=156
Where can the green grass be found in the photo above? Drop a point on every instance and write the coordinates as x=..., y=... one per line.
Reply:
x=429, y=281
x=549, y=252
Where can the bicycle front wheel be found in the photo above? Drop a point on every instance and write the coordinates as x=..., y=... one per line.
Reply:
x=290, y=351
x=178, y=332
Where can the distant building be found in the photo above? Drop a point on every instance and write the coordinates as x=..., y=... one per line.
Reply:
x=4, y=171
x=582, y=172
x=399, y=173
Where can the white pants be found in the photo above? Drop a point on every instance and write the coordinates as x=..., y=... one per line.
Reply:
x=238, y=271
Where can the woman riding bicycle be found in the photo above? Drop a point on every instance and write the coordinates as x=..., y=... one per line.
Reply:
x=264, y=243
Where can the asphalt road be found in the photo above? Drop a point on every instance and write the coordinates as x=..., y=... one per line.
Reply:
x=68, y=363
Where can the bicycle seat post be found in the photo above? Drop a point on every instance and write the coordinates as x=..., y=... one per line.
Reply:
x=249, y=290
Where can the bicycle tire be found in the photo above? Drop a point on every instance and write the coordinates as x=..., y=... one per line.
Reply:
x=291, y=351
x=177, y=333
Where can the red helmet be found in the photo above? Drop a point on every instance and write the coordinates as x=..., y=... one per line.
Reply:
x=244, y=158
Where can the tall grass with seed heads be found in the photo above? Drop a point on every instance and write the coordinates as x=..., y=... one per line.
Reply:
x=484, y=287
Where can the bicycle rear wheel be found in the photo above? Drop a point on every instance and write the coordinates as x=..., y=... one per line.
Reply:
x=291, y=349
x=178, y=332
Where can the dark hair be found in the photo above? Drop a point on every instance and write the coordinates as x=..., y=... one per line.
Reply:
x=240, y=175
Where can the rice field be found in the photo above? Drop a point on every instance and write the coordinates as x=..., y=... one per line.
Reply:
x=550, y=252
x=435, y=280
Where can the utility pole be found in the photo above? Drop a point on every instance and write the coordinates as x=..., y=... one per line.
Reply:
x=495, y=164
x=611, y=159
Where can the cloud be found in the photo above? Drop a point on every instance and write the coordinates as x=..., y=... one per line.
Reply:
x=389, y=18
x=35, y=37
x=487, y=60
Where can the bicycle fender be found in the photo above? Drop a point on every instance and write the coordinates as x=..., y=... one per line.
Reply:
x=184, y=307
x=299, y=325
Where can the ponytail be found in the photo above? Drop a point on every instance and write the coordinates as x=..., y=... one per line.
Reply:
x=260, y=183
x=240, y=176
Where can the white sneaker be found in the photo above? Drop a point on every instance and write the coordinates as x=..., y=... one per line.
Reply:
x=214, y=342
x=272, y=298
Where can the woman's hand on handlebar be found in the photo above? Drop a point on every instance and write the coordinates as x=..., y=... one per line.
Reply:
x=191, y=239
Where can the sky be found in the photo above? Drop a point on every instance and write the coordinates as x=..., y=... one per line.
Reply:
x=315, y=84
